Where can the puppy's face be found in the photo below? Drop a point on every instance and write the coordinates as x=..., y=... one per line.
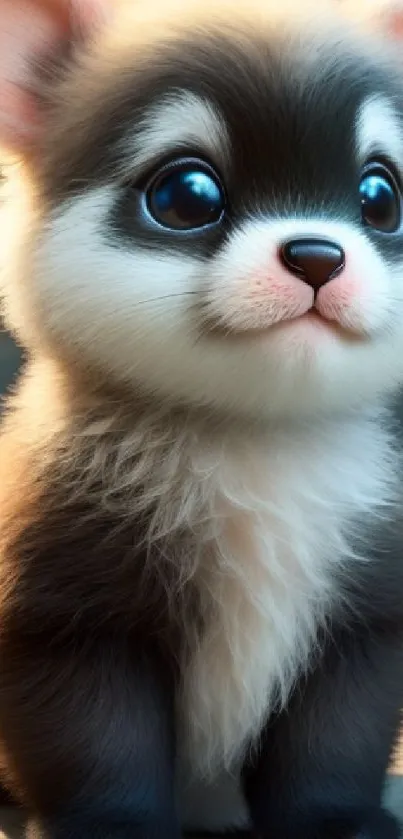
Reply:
x=221, y=216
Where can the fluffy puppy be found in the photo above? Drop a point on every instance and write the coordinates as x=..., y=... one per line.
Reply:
x=201, y=612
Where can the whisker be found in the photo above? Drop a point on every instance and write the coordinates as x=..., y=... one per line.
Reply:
x=165, y=297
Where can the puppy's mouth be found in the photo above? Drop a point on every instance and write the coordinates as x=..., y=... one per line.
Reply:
x=310, y=323
x=313, y=323
x=316, y=322
x=315, y=317
x=292, y=307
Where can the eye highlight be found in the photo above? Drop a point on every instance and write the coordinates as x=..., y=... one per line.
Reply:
x=186, y=195
x=380, y=199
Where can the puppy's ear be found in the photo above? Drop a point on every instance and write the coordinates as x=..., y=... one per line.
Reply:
x=391, y=20
x=29, y=31
x=382, y=17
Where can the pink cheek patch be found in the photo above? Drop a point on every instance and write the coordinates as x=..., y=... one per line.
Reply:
x=261, y=300
x=339, y=301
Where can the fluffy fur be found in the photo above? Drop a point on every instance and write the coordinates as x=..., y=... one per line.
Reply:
x=199, y=479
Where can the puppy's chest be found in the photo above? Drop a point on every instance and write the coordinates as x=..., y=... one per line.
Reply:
x=279, y=530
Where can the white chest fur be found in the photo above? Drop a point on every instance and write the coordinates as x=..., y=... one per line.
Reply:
x=280, y=516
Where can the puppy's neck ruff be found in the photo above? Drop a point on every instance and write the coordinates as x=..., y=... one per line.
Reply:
x=280, y=523
x=261, y=526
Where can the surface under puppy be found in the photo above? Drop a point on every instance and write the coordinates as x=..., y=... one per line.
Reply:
x=200, y=470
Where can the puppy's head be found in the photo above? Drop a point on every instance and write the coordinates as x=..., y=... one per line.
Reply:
x=214, y=211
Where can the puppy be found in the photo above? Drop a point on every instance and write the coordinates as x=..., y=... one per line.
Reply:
x=201, y=577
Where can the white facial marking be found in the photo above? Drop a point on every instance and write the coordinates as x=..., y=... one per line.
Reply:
x=379, y=131
x=248, y=287
x=133, y=311
x=180, y=119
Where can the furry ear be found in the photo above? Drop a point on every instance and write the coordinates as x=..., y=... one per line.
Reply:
x=384, y=17
x=392, y=20
x=29, y=30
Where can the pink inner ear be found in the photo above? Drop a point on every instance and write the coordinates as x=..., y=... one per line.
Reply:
x=395, y=24
x=88, y=14
x=19, y=122
x=29, y=28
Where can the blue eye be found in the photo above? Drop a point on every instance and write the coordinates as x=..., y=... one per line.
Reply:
x=380, y=199
x=186, y=196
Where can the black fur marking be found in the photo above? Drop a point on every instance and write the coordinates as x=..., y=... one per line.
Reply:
x=291, y=130
x=87, y=649
x=321, y=767
x=90, y=730
x=88, y=669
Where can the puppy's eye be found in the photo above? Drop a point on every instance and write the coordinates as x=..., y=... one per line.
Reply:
x=186, y=195
x=380, y=199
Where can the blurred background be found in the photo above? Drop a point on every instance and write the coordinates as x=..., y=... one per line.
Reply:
x=10, y=355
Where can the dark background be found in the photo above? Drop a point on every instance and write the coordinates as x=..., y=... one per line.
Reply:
x=10, y=359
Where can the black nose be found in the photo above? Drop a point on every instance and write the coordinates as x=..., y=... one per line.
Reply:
x=315, y=261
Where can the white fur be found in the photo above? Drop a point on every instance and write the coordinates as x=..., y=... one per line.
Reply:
x=282, y=510
x=379, y=131
x=247, y=283
x=133, y=311
x=260, y=524
x=181, y=119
